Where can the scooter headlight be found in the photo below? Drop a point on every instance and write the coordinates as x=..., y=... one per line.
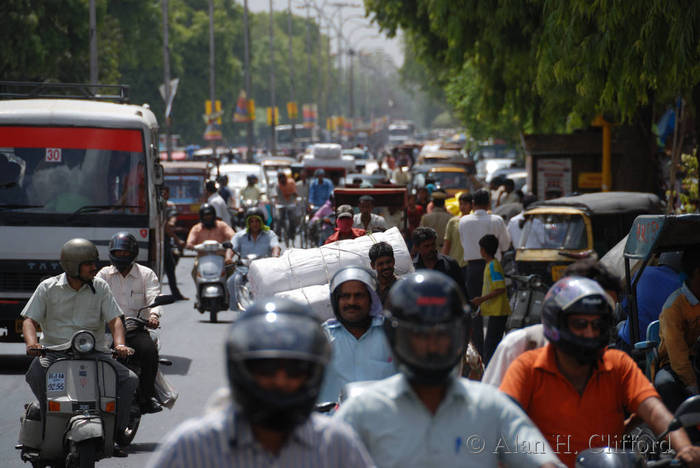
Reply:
x=83, y=342
x=212, y=291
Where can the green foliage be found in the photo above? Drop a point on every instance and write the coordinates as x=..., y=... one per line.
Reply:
x=548, y=65
x=688, y=197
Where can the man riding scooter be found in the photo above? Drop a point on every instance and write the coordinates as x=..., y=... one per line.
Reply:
x=134, y=286
x=256, y=239
x=209, y=228
x=72, y=301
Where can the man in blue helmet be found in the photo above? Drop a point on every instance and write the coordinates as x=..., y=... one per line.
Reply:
x=276, y=354
x=360, y=349
x=427, y=415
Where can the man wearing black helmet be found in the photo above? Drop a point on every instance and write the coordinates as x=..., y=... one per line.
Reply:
x=135, y=286
x=256, y=239
x=276, y=353
x=72, y=301
x=209, y=228
x=591, y=387
x=360, y=350
x=427, y=415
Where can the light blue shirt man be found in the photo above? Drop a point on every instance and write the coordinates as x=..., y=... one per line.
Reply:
x=474, y=426
x=366, y=358
x=244, y=244
x=221, y=439
x=320, y=191
x=354, y=359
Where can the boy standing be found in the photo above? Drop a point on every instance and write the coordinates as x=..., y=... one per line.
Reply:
x=493, y=299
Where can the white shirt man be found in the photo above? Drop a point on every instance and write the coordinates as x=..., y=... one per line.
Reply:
x=137, y=289
x=219, y=205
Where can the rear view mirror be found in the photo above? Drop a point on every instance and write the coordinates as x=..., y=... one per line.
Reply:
x=158, y=175
x=688, y=413
x=163, y=299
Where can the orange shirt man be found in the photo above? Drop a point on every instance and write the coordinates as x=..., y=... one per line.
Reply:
x=575, y=390
x=573, y=422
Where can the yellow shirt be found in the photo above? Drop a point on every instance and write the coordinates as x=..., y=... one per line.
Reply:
x=494, y=279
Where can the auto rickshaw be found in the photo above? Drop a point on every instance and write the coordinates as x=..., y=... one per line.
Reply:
x=561, y=231
x=650, y=236
x=186, y=182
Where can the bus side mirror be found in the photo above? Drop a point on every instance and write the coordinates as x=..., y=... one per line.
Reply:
x=158, y=177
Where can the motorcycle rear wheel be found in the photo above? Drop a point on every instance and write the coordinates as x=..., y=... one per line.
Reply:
x=212, y=316
x=83, y=455
x=126, y=436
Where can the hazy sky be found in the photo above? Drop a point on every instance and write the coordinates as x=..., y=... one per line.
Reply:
x=353, y=21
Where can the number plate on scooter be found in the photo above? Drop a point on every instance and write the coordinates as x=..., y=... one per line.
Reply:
x=83, y=406
x=55, y=382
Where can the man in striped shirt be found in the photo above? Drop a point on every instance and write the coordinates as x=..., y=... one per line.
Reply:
x=276, y=356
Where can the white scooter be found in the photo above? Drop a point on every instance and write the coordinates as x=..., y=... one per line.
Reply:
x=244, y=297
x=80, y=422
x=210, y=282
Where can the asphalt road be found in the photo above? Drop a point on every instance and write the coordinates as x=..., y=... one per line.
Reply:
x=187, y=338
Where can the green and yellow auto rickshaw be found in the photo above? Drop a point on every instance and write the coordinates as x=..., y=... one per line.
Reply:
x=558, y=232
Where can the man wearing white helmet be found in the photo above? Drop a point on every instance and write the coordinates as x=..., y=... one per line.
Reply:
x=360, y=349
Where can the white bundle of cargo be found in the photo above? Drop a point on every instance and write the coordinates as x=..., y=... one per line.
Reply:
x=299, y=268
x=318, y=297
x=326, y=151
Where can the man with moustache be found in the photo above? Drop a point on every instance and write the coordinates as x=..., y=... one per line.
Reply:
x=381, y=258
x=428, y=258
x=360, y=349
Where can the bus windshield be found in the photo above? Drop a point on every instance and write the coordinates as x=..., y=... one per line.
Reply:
x=68, y=170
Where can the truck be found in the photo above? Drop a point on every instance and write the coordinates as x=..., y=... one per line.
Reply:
x=400, y=132
x=303, y=137
x=75, y=161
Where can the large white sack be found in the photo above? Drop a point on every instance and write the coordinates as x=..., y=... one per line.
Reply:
x=327, y=151
x=298, y=268
x=318, y=297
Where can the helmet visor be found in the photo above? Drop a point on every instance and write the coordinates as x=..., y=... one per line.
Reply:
x=430, y=347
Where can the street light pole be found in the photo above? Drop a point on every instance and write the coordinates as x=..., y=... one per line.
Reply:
x=273, y=143
x=246, y=60
x=212, y=94
x=291, y=74
x=93, y=43
x=166, y=80
x=351, y=54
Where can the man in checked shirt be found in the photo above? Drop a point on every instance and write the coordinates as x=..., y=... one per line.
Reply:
x=276, y=354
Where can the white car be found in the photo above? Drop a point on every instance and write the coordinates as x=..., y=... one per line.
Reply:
x=491, y=158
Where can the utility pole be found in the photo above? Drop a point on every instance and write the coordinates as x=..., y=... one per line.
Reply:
x=273, y=143
x=351, y=54
x=212, y=82
x=246, y=58
x=93, y=43
x=166, y=80
x=309, y=84
x=291, y=74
